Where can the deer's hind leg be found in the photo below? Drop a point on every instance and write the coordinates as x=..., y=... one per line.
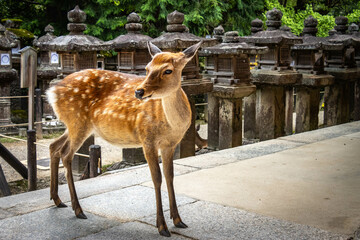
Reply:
x=55, y=149
x=75, y=139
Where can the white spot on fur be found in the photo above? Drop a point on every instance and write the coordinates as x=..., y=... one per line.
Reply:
x=83, y=95
x=87, y=90
x=117, y=75
x=101, y=79
x=76, y=90
x=71, y=99
x=86, y=79
x=96, y=112
x=79, y=78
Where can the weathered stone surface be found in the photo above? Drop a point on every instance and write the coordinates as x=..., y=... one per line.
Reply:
x=47, y=37
x=307, y=109
x=196, y=87
x=312, y=80
x=130, y=231
x=133, y=155
x=341, y=24
x=52, y=223
x=213, y=124
x=234, y=91
x=214, y=221
x=128, y=204
x=332, y=105
x=289, y=110
x=187, y=144
x=5, y=42
x=270, y=113
x=175, y=17
x=256, y=26
x=250, y=131
x=230, y=123
x=233, y=49
x=76, y=15
x=275, y=77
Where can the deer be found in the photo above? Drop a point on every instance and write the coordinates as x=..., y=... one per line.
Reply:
x=152, y=112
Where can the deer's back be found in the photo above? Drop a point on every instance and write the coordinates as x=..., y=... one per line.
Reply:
x=105, y=101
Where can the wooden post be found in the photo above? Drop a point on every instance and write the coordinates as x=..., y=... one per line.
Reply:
x=28, y=78
x=13, y=161
x=31, y=154
x=95, y=160
x=38, y=114
x=4, y=187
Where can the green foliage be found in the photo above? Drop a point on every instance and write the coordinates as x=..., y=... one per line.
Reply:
x=295, y=19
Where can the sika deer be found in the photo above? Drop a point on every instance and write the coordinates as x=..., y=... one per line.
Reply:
x=128, y=110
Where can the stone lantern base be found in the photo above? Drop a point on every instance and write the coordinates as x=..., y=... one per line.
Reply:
x=308, y=100
x=274, y=103
x=225, y=115
x=339, y=96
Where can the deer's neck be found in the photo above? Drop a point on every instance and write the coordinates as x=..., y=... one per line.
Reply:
x=177, y=110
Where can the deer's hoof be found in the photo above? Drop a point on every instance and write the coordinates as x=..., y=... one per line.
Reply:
x=165, y=233
x=61, y=205
x=81, y=216
x=181, y=225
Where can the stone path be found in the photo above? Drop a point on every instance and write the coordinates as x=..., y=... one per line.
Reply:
x=303, y=186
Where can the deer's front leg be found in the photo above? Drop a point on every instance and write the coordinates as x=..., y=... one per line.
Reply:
x=168, y=167
x=152, y=159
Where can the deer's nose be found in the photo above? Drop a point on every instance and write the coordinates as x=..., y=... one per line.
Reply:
x=139, y=93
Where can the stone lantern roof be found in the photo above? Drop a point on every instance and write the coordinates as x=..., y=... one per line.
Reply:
x=310, y=41
x=5, y=42
x=232, y=46
x=133, y=39
x=273, y=34
x=176, y=36
x=46, y=38
x=76, y=40
x=340, y=36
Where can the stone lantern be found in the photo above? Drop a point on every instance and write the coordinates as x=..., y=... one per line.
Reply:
x=339, y=49
x=218, y=34
x=177, y=39
x=7, y=75
x=274, y=79
x=48, y=65
x=231, y=78
x=133, y=54
x=77, y=51
x=309, y=60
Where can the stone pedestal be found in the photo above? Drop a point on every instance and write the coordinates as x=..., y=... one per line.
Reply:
x=337, y=97
x=270, y=102
x=307, y=109
x=289, y=110
x=225, y=115
x=79, y=162
x=191, y=88
x=308, y=100
x=250, y=130
x=133, y=155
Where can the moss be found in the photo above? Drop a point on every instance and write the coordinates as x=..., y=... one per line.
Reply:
x=22, y=33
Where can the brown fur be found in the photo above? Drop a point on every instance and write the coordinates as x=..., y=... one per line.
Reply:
x=104, y=102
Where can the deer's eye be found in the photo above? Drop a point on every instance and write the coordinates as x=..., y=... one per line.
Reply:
x=168, y=71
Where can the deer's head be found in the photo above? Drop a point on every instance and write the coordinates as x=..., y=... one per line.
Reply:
x=163, y=73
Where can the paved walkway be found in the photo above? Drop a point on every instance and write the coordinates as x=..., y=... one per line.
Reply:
x=304, y=186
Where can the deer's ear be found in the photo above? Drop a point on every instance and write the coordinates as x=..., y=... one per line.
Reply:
x=191, y=51
x=153, y=49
